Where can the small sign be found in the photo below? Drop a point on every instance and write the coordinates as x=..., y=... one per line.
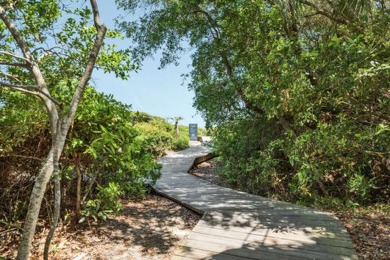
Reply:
x=193, y=132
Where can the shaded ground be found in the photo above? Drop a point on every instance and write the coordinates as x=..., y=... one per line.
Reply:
x=369, y=227
x=370, y=231
x=208, y=172
x=146, y=229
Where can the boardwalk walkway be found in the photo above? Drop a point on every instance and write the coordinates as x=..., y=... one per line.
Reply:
x=237, y=225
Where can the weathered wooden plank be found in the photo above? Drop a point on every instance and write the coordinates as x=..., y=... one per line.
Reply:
x=254, y=219
x=261, y=235
x=271, y=242
x=205, y=203
x=202, y=159
x=278, y=222
x=179, y=257
x=238, y=225
x=252, y=225
x=241, y=253
x=274, y=252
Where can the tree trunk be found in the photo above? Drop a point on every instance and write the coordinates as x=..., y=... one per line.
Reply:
x=177, y=133
x=78, y=191
x=35, y=205
x=57, y=211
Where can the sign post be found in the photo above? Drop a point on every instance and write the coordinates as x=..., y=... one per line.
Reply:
x=193, y=132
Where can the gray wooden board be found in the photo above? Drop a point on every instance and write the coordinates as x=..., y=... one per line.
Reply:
x=295, y=242
x=333, y=234
x=237, y=225
x=273, y=252
x=293, y=235
x=242, y=253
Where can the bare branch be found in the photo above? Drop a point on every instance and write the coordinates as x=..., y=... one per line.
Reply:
x=14, y=64
x=30, y=89
x=48, y=49
x=27, y=91
x=22, y=156
x=214, y=25
x=48, y=53
x=10, y=85
x=323, y=12
x=15, y=56
x=22, y=88
x=96, y=16
x=6, y=75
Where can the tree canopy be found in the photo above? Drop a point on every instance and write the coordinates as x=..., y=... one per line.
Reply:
x=298, y=91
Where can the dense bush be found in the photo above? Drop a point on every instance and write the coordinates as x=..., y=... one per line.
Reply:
x=181, y=141
x=297, y=91
x=110, y=153
x=321, y=125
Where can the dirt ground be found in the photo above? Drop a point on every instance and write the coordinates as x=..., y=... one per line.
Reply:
x=147, y=229
x=369, y=227
x=370, y=231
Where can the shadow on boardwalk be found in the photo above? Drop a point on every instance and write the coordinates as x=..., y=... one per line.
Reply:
x=237, y=225
x=237, y=235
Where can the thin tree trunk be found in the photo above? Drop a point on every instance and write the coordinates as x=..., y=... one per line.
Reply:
x=57, y=206
x=78, y=191
x=34, y=206
x=177, y=129
x=91, y=183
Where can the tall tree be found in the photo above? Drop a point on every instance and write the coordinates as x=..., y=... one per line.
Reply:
x=36, y=56
x=291, y=86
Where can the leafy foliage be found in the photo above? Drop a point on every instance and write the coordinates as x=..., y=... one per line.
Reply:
x=297, y=91
x=182, y=140
x=110, y=151
x=114, y=148
x=105, y=203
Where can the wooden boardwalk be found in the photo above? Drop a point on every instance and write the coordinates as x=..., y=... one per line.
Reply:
x=237, y=225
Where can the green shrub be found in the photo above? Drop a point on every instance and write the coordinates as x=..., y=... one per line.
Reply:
x=111, y=146
x=106, y=202
x=180, y=143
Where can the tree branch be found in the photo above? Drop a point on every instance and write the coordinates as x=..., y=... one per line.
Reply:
x=214, y=25
x=6, y=75
x=15, y=56
x=22, y=156
x=46, y=52
x=35, y=72
x=15, y=34
x=23, y=90
x=10, y=85
x=228, y=66
x=14, y=64
x=323, y=12
x=101, y=32
x=96, y=18
x=30, y=89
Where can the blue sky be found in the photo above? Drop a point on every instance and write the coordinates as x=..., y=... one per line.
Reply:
x=157, y=92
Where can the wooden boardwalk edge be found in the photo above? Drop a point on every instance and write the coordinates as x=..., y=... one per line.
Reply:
x=181, y=203
x=230, y=229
